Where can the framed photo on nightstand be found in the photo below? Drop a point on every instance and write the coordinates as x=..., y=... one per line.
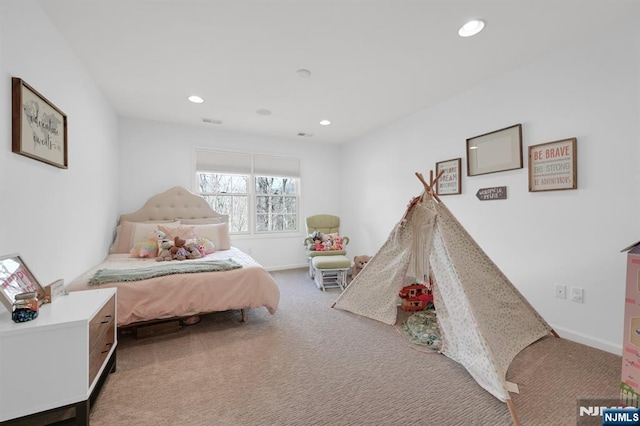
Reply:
x=16, y=278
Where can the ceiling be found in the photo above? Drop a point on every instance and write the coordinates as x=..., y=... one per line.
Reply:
x=372, y=62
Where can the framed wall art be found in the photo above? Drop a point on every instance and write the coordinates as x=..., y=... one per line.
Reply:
x=39, y=128
x=16, y=278
x=450, y=182
x=553, y=166
x=495, y=152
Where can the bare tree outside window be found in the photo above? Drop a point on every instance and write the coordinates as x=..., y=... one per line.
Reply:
x=276, y=204
x=276, y=200
x=227, y=194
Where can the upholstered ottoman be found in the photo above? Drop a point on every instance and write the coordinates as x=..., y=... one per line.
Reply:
x=330, y=271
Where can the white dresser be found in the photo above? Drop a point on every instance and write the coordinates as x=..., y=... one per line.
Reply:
x=59, y=359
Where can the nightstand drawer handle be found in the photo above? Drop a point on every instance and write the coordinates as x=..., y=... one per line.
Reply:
x=108, y=348
x=107, y=319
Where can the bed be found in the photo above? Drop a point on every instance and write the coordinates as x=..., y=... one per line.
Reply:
x=178, y=295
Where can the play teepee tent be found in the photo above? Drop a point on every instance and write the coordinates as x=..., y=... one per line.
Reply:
x=484, y=321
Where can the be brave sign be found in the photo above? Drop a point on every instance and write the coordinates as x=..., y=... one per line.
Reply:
x=553, y=166
x=495, y=193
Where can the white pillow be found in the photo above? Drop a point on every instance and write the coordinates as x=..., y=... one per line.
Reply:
x=128, y=234
x=218, y=233
x=172, y=231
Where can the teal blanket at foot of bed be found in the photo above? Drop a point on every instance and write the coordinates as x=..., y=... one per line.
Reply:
x=103, y=276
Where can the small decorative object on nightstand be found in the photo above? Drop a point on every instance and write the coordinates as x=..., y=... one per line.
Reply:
x=25, y=307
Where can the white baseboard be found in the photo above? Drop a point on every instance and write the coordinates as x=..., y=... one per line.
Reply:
x=284, y=267
x=610, y=347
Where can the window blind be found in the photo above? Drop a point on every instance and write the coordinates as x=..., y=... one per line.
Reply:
x=276, y=166
x=242, y=163
x=222, y=161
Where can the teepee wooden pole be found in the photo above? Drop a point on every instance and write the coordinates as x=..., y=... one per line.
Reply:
x=512, y=410
x=428, y=191
x=429, y=187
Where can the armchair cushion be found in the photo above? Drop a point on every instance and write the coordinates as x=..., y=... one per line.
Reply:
x=325, y=223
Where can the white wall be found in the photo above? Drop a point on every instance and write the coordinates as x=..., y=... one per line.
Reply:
x=574, y=237
x=60, y=221
x=156, y=156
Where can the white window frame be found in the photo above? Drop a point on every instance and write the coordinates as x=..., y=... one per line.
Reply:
x=251, y=166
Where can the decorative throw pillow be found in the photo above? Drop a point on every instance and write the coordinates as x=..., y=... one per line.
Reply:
x=218, y=233
x=205, y=245
x=182, y=232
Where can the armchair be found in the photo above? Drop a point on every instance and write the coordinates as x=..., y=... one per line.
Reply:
x=326, y=225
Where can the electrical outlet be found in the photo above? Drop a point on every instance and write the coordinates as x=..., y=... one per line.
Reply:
x=561, y=291
x=577, y=295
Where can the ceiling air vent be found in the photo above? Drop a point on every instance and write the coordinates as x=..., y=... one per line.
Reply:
x=305, y=135
x=211, y=121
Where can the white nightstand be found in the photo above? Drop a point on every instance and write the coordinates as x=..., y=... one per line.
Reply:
x=61, y=358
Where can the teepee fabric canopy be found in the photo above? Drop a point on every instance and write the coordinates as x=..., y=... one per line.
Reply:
x=484, y=320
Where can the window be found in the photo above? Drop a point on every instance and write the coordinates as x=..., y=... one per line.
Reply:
x=226, y=194
x=276, y=204
x=259, y=193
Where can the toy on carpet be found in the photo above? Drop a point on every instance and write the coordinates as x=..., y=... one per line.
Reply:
x=359, y=262
x=148, y=248
x=164, y=250
x=416, y=297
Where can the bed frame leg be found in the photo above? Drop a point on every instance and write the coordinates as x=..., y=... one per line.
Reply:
x=243, y=312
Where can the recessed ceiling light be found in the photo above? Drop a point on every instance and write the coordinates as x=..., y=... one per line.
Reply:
x=263, y=112
x=471, y=28
x=196, y=99
x=303, y=73
x=325, y=122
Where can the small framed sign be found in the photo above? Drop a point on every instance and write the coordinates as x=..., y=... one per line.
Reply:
x=16, y=278
x=449, y=183
x=54, y=290
x=553, y=166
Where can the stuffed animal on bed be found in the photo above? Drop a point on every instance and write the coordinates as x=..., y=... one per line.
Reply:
x=194, y=250
x=164, y=250
x=148, y=248
x=179, y=251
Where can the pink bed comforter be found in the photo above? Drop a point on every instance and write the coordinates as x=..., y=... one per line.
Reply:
x=186, y=294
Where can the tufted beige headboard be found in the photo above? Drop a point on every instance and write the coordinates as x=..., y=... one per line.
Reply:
x=175, y=203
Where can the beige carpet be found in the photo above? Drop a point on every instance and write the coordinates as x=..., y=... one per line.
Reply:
x=312, y=365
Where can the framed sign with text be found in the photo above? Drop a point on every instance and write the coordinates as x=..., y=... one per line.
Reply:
x=39, y=128
x=553, y=166
x=449, y=183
